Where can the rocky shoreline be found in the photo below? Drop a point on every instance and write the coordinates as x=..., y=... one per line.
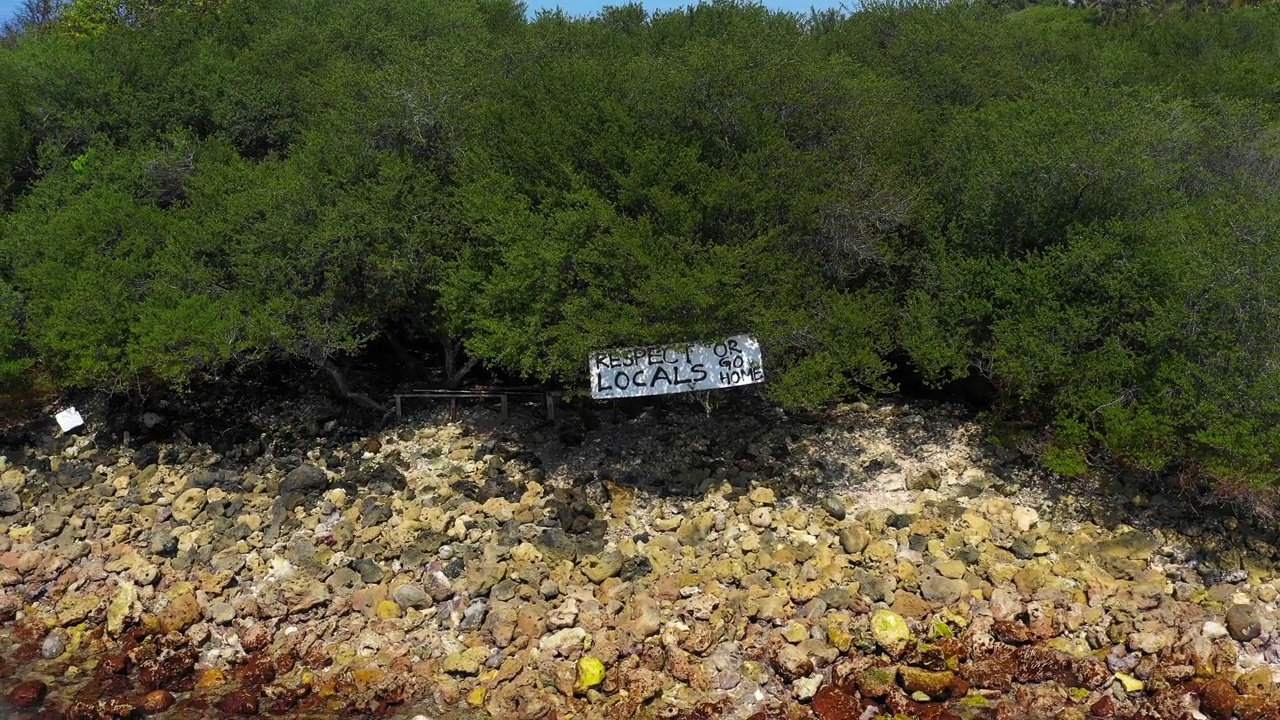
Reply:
x=866, y=561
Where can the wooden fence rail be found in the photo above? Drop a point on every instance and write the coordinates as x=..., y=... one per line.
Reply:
x=549, y=399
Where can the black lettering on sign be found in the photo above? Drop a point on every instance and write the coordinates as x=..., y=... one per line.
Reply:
x=601, y=360
x=733, y=346
x=656, y=355
x=637, y=377
x=678, y=380
x=600, y=385
x=757, y=373
x=660, y=374
x=621, y=380
x=721, y=350
x=699, y=373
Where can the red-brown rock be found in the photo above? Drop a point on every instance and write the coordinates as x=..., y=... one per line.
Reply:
x=157, y=701
x=28, y=694
x=1218, y=699
x=114, y=709
x=239, y=703
x=1105, y=707
x=162, y=672
x=255, y=638
x=114, y=664
x=258, y=671
x=834, y=703
x=1259, y=707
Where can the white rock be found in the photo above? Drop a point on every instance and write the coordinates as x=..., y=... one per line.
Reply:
x=563, y=616
x=1024, y=518
x=806, y=687
x=1214, y=630
x=563, y=641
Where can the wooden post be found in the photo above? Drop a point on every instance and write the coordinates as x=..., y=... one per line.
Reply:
x=399, y=411
x=551, y=405
x=453, y=410
x=504, y=406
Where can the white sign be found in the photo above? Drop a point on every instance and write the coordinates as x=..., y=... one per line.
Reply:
x=69, y=419
x=656, y=370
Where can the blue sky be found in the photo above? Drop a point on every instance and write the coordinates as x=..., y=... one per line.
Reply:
x=579, y=7
x=7, y=7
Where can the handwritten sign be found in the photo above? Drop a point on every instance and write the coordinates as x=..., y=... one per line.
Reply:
x=657, y=370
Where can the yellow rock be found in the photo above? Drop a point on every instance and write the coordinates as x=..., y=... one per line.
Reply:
x=795, y=633
x=388, y=609
x=839, y=639
x=210, y=678
x=1131, y=683
x=890, y=630
x=367, y=676
x=121, y=606
x=590, y=673
x=475, y=698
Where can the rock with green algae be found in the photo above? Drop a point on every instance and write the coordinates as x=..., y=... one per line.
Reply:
x=890, y=630
x=875, y=682
x=933, y=684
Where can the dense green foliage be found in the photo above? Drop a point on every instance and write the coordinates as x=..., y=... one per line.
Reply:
x=1079, y=205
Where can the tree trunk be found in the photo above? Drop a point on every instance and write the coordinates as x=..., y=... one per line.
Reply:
x=344, y=388
x=453, y=375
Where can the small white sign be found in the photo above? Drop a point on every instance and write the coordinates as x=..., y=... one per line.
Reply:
x=657, y=370
x=69, y=419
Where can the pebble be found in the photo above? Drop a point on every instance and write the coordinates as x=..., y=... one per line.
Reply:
x=54, y=645
x=549, y=589
x=474, y=615
x=50, y=524
x=410, y=595
x=833, y=507
x=28, y=694
x=854, y=539
x=761, y=517
x=807, y=687
x=240, y=703
x=189, y=504
x=1218, y=699
x=157, y=701
x=1242, y=622
x=890, y=630
x=163, y=543
x=10, y=502
x=304, y=479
